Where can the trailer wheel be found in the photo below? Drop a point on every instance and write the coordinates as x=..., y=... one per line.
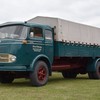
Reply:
x=69, y=74
x=96, y=74
x=6, y=78
x=39, y=76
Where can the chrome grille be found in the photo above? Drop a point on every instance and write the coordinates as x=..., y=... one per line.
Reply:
x=4, y=58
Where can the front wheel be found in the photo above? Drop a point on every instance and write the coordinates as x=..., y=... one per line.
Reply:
x=39, y=76
x=95, y=74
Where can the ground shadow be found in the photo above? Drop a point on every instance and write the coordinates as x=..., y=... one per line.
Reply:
x=52, y=80
x=19, y=83
x=61, y=79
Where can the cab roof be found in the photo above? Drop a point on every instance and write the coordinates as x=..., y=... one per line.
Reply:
x=25, y=24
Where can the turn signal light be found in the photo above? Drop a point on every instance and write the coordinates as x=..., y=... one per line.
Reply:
x=24, y=41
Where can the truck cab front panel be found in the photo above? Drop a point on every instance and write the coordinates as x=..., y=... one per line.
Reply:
x=20, y=46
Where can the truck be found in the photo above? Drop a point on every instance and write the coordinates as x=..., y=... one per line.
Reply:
x=39, y=46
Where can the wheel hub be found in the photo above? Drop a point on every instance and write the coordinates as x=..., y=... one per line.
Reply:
x=41, y=73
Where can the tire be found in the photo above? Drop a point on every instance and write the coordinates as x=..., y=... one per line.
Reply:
x=39, y=76
x=95, y=74
x=6, y=78
x=69, y=74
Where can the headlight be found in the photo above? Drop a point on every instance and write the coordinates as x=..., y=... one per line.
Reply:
x=7, y=58
x=12, y=58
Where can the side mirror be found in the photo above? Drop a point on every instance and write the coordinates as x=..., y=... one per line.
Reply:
x=31, y=34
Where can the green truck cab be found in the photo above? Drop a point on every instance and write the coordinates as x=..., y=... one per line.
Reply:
x=23, y=46
x=29, y=50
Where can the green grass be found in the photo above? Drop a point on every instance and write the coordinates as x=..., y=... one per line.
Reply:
x=57, y=88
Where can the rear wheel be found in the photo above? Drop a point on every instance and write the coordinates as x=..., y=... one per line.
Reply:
x=69, y=74
x=39, y=76
x=95, y=74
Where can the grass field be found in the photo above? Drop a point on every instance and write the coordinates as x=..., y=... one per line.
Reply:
x=57, y=88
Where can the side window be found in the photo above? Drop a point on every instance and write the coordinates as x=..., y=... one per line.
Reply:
x=48, y=35
x=36, y=32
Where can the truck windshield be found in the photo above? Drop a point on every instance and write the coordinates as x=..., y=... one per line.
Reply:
x=13, y=32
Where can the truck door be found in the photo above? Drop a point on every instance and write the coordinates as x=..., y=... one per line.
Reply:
x=49, y=50
x=35, y=42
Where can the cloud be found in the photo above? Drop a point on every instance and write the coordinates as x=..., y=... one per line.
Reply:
x=82, y=11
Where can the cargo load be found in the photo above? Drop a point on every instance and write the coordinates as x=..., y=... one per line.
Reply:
x=68, y=31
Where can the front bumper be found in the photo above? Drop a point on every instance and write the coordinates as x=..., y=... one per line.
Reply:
x=13, y=68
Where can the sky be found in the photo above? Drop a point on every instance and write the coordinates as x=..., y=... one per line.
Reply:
x=81, y=11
